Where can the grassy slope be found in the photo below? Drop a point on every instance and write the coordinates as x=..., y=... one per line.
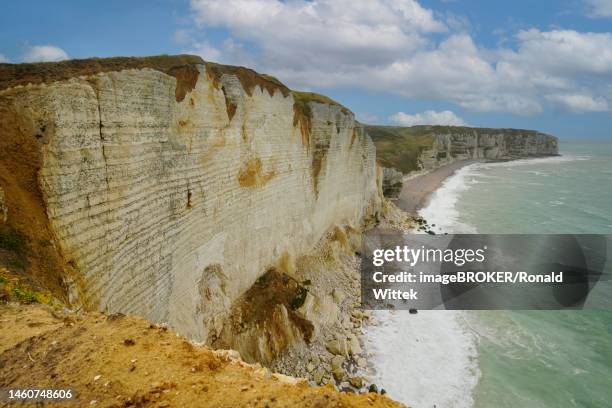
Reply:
x=400, y=147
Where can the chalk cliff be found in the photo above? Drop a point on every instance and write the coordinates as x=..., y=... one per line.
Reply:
x=426, y=147
x=166, y=186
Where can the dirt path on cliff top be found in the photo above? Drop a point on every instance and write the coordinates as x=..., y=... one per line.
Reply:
x=119, y=361
x=416, y=192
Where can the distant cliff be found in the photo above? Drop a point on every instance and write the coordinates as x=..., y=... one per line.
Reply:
x=166, y=186
x=424, y=147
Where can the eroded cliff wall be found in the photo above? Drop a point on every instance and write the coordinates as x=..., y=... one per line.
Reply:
x=166, y=192
x=465, y=143
x=426, y=147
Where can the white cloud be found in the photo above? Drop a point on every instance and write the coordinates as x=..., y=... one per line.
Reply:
x=599, y=8
x=400, y=47
x=428, y=118
x=323, y=32
x=42, y=53
x=563, y=52
x=3, y=58
x=579, y=102
x=229, y=52
x=205, y=50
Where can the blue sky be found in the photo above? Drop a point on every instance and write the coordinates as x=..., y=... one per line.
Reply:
x=539, y=64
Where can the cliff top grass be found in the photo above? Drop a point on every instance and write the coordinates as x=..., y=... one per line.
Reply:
x=46, y=72
x=304, y=98
x=399, y=147
x=302, y=113
x=444, y=129
x=182, y=67
x=248, y=78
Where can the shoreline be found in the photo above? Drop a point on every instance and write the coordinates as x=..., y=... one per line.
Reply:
x=427, y=332
x=428, y=340
x=417, y=191
x=433, y=338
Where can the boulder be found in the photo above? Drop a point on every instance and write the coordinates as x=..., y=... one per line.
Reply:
x=353, y=345
x=318, y=376
x=337, y=369
x=356, y=382
x=338, y=347
x=338, y=295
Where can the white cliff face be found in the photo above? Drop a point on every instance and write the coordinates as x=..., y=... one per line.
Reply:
x=474, y=143
x=171, y=209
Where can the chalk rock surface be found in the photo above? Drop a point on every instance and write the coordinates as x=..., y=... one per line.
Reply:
x=167, y=192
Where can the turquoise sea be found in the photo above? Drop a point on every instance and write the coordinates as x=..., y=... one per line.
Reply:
x=538, y=358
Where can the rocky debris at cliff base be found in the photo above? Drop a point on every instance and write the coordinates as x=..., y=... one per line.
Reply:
x=335, y=355
x=333, y=307
x=87, y=352
x=394, y=217
x=421, y=225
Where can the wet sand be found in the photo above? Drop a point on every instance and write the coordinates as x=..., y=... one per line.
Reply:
x=415, y=192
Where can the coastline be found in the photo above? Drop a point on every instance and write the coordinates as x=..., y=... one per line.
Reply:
x=429, y=339
x=417, y=191
x=414, y=376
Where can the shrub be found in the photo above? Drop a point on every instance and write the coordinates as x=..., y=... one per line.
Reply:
x=12, y=241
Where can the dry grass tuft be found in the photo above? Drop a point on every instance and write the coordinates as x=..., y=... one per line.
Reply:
x=182, y=67
x=248, y=78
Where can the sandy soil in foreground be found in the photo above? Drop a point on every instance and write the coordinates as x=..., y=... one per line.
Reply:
x=119, y=361
x=416, y=191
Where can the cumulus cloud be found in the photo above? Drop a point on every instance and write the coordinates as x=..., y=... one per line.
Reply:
x=563, y=53
x=429, y=117
x=42, y=53
x=229, y=52
x=599, y=8
x=323, y=32
x=3, y=58
x=205, y=50
x=401, y=47
x=579, y=102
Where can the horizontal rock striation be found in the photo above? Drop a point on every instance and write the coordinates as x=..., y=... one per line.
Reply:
x=426, y=147
x=167, y=186
x=473, y=143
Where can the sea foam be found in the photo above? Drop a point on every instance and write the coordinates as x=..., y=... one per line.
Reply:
x=441, y=209
x=424, y=360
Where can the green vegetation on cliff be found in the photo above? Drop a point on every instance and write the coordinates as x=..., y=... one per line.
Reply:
x=303, y=98
x=46, y=72
x=400, y=147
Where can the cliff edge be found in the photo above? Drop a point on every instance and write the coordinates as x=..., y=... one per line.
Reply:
x=426, y=147
x=166, y=186
x=132, y=363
